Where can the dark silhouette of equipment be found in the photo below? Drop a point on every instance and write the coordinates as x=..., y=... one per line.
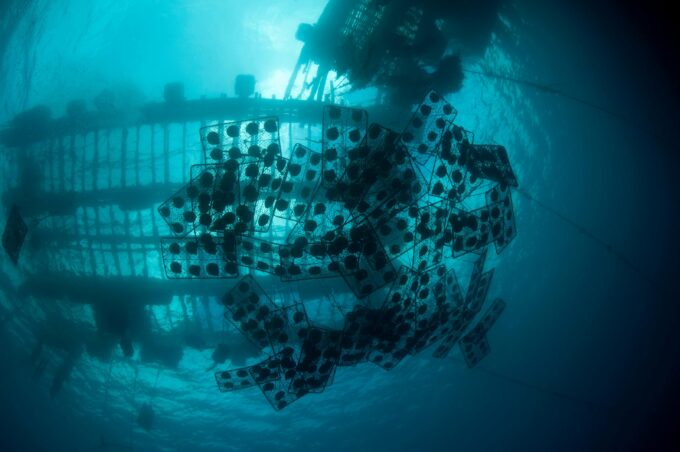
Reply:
x=401, y=47
x=244, y=86
x=14, y=234
x=145, y=417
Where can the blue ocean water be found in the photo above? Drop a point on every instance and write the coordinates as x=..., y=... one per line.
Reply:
x=583, y=358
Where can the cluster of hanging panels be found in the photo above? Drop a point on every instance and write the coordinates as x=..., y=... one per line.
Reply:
x=382, y=210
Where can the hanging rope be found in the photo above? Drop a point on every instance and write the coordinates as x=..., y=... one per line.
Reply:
x=107, y=385
x=594, y=238
x=557, y=92
x=155, y=385
x=105, y=443
x=334, y=303
x=550, y=89
x=543, y=390
x=134, y=397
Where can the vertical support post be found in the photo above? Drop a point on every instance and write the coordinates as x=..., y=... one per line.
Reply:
x=185, y=170
x=137, y=158
x=109, y=163
x=95, y=160
x=62, y=164
x=123, y=157
x=74, y=159
x=153, y=153
x=322, y=85
x=290, y=136
x=49, y=169
x=166, y=154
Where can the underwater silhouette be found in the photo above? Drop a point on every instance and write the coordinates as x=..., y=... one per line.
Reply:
x=146, y=416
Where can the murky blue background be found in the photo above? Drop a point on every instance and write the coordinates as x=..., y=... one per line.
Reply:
x=585, y=352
